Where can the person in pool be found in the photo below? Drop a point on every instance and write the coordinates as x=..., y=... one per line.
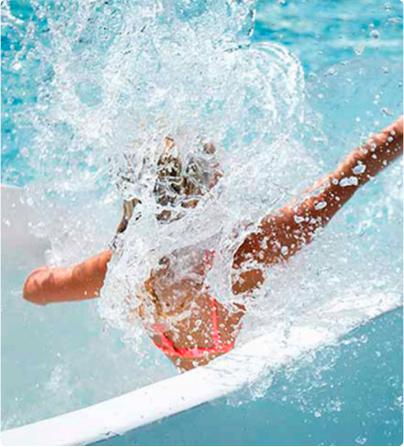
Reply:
x=182, y=318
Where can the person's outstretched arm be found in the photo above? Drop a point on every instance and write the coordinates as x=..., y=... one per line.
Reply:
x=79, y=282
x=283, y=233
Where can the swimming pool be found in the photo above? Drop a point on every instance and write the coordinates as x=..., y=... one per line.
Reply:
x=312, y=395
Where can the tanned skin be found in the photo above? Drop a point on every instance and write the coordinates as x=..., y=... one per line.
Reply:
x=279, y=236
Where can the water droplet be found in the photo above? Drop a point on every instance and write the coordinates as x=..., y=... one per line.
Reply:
x=332, y=72
x=334, y=405
x=387, y=112
x=361, y=440
x=320, y=205
x=399, y=401
x=393, y=381
x=360, y=168
x=363, y=338
x=359, y=49
x=16, y=66
x=349, y=181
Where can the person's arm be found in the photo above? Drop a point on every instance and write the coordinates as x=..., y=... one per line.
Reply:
x=282, y=234
x=80, y=282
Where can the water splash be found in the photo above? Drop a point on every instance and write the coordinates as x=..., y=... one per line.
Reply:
x=193, y=75
x=112, y=79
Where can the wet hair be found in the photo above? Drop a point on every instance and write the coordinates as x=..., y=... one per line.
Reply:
x=175, y=185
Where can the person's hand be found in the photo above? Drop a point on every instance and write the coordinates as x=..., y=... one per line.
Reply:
x=33, y=285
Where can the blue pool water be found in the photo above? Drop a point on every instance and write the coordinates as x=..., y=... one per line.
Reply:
x=349, y=394
x=321, y=34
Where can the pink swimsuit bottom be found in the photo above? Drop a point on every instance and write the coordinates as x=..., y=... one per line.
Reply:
x=167, y=346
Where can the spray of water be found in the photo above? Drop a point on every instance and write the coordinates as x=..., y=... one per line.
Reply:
x=113, y=81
